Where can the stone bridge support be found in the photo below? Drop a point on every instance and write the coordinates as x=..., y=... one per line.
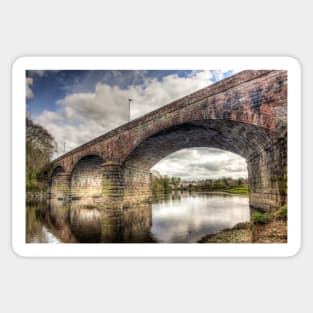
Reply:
x=268, y=177
x=60, y=187
x=112, y=184
x=137, y=185
x=123, y=186
x=108, y=184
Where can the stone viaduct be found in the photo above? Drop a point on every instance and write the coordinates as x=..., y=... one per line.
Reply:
x=245, y=114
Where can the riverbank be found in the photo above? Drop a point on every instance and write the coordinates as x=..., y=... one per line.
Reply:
x=240, y=233
x=234, y=191
x=270, y=227
x=238, y=191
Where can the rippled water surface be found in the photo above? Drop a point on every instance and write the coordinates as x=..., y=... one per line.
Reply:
x=172, y=218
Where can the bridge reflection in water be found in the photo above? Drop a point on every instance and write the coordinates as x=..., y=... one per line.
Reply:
x=172, y=218
x=73, y=222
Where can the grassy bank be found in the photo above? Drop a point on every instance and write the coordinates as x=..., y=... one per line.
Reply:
x=238, y=191
x=265, y=217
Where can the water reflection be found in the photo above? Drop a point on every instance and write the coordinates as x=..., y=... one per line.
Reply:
x=189, y=217
x=177, y=217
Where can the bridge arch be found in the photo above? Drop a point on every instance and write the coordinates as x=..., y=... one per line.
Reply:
x=80, y=156
x=263, y=149
x=244, y=139
x=58, y=183
x=56, y=170
x=86, y=178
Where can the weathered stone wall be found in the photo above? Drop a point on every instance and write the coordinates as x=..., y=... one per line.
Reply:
x=137, y=186
x=60, y=185
x=268, y=177
x=113, y=186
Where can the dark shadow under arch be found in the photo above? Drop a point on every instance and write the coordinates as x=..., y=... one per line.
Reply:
x=54, y=173
x=243, y=139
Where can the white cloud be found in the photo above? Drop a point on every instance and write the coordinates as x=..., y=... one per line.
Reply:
x=202, y=163
x=29, y=83
x=154, y=93
x=84, y=116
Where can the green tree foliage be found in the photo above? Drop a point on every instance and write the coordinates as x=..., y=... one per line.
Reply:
x=219, y=184
x=40, y=146
x=164, y=184
x=175, y=181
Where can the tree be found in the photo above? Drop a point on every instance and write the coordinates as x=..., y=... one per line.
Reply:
x=175, y=181
x=40, y=146
x=166, y=184
x=219, y=184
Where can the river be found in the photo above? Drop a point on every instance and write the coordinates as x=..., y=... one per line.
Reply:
x=174, y=218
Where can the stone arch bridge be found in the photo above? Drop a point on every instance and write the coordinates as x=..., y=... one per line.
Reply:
x=245, y=114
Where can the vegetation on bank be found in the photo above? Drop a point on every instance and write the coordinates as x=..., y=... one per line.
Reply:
x=275, y=231
x=166, y=184
x=271, y=227
x=259, y=217
x=40, y=146
x=238, y=191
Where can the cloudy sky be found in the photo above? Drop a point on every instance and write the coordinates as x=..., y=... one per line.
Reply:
x=77, y=106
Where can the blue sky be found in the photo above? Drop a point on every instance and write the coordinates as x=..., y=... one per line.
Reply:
x=77, y=106
x=50, y=86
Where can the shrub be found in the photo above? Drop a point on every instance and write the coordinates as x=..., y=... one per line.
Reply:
x=259, y=217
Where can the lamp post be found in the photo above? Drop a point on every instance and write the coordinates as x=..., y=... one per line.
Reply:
x=129, y=101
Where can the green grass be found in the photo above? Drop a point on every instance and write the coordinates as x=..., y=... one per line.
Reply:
x=263, y=218
x=281, y=213
x=240, y=191
x=259, y=217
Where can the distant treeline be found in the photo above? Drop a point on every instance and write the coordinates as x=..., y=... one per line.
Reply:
x=166, y=184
